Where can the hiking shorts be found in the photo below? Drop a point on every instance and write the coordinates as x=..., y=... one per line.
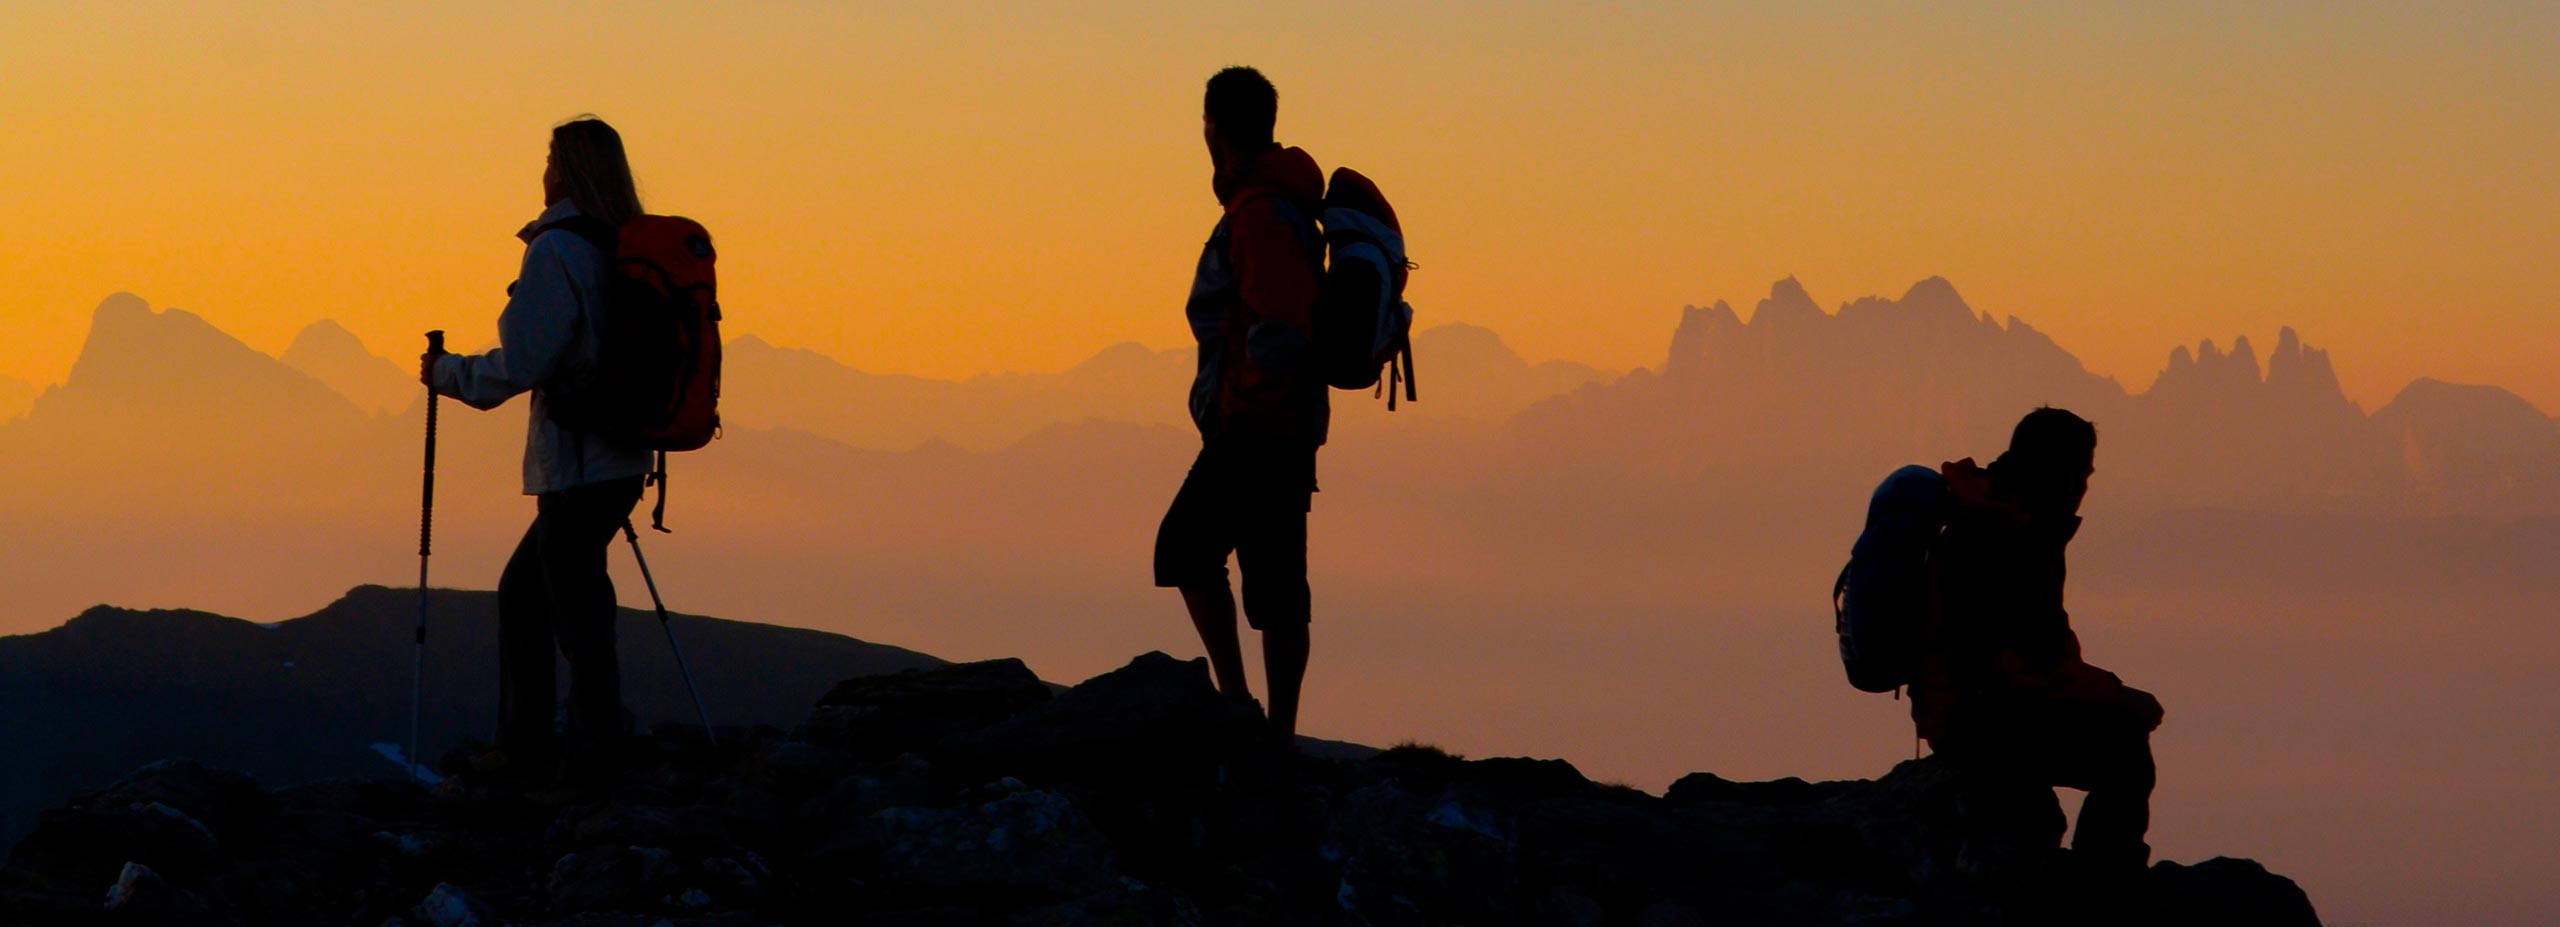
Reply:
x=1250, y=498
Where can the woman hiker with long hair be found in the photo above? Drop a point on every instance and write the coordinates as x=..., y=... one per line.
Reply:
x=555, y=593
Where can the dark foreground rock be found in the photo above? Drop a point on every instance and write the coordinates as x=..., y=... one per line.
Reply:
x=970, y=795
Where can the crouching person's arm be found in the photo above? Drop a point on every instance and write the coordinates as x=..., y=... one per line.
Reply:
x=2067, y=678
x=533, y=333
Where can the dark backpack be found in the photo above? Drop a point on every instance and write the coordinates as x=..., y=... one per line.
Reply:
x=1881, y=603
x=1364, y=327
x=655, y=381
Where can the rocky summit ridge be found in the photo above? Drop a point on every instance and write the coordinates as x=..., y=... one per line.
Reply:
x=975, y=794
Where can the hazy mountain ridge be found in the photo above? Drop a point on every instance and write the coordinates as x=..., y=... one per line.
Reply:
x=113, y=689
x=332, y=355
x=16, y=397
x=1476, y=377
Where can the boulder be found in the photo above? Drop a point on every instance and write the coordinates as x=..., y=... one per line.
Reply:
x=220, y=799
x=140, y=895
x=2225, y=892
x=893, y=713
x=1155, y=722
x=91, y=845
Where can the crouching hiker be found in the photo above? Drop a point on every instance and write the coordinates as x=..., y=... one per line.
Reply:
x=1954, y=590
x=554, y=594
x=2001, y=682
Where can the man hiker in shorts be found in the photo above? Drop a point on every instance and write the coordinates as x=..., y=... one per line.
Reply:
x=2001, y=683
x=1260, y=409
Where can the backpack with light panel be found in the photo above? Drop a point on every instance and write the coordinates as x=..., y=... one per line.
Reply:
x=1363, y=326
x=1880, y=604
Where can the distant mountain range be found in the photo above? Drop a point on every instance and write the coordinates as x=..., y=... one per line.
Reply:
x=1798, y=391
x=113, y=689
x=772, y=387
x=177, y=459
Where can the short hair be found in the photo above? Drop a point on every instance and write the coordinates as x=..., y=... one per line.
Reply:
x=1244, y=106
x=2052, y=437
x=594, y=172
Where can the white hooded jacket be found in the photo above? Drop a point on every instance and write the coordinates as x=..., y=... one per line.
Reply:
x=545, y=329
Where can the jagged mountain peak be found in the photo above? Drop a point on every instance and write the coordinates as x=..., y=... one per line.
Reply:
x=177, y=363
x=1935, y=297
x=329, y=353
x=125, y=326
x=1932, y=303
x=1700, y=327
x=2210, y=369
x=2244, y=354
x=1472, y=341
x=120, y=308
x=324, y=335
x=2295, y=367
x=127, y=337
x=1122, y=354
x=1787, y=305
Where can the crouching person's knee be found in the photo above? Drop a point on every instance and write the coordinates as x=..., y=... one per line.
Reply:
x=2137, y=771
x=2141, y=709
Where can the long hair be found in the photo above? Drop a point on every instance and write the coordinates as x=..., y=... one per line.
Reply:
x=593, y=170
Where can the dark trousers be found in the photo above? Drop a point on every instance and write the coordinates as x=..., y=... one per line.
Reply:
x=2086, y=745
x=555, y=597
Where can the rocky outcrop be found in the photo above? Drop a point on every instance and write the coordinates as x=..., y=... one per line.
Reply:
x=972, y=795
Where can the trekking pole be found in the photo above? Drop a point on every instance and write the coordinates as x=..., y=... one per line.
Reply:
x=661, y=605
x=426, y=533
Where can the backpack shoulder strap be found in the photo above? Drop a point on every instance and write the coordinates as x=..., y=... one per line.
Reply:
x=594, y=230
x=1310, y=230
x=1311, y=240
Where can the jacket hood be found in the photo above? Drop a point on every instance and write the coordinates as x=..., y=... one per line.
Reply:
x=1282, y=172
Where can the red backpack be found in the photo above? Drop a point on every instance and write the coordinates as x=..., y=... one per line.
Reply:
x=656, y=380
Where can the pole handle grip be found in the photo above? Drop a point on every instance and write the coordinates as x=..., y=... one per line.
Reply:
x=435, y=341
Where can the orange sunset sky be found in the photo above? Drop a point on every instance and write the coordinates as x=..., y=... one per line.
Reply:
x=954, y=188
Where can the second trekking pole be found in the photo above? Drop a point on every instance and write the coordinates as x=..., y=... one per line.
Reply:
x=661, y=605
x=426, y=533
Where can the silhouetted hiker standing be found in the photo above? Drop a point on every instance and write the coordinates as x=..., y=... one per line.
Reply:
x=2001, y=682
x=555, y=592
x=1261, y=410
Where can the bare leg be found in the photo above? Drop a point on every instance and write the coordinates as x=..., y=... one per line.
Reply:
x=1284, y=663
x=1213, y=612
